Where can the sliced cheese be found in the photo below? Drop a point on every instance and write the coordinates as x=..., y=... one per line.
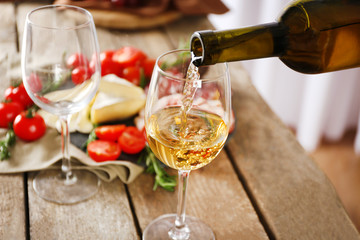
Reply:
x=109, y=108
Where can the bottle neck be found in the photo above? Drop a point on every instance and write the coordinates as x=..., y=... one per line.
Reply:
x=210, y=47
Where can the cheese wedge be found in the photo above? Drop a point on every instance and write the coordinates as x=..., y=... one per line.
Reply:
x=119, y=87
x=117, y=99
x=109, y=108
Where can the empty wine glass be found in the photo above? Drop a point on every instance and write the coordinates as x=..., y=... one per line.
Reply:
x=187, y=118
x=61, y=74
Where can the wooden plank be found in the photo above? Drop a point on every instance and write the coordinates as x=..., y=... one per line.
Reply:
x=107, y=215
x=12, y=205
x=295, y=197
x=215, y=194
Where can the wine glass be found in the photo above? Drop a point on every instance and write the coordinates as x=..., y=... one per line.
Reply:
x=61, y=74
x=187, y=118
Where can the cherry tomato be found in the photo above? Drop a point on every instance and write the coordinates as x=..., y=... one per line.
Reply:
x=108, y=66
x=29, y=128
x=129, y=57
x=76, y=60
x=110, y=132
x=18, y=94
x=8, y=112
x=148, y=66
x=132, y=74
x=101, y=150
x=80, y=74
x=132, y=140
x=34, y=83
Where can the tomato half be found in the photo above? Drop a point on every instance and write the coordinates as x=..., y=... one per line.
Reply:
x=8, y=112
x=18, y=94
x=76, y=60
x=132, y=140
x=129, y=56
x=101, y=150
x=110, y=132
x=29, y=128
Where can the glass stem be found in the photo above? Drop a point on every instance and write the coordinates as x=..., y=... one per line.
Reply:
x=181, y=230
x=66, y=170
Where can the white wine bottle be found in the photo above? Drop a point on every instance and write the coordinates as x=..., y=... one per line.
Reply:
x=311, y=36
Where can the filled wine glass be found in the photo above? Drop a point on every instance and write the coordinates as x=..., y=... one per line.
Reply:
x=187, y=117
x=61, y=74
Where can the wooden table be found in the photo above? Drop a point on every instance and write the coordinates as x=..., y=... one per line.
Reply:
x=262, y=186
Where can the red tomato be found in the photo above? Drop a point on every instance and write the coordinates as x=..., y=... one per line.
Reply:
x=129, y=56
x=76, y=60
x=148, y=66
x=132, y=74
x=80, y=74
x=8, y=112
x=110, y=132
x=101, y=150
x=29, y=128
x=34, y=83
x=132, y=140
x=108, y=66
x=18, y=94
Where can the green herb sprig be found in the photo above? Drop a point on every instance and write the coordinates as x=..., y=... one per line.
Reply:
x=9, y=141
x=162, y=178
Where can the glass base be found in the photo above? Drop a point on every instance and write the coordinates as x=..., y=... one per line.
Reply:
x=162, y=229
x=52, y=186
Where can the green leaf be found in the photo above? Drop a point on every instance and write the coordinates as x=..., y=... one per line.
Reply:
x=92, y=137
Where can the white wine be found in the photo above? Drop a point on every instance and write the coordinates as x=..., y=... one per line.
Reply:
x=205, y=136
x=311, y=36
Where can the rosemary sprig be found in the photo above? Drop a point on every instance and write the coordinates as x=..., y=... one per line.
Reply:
x=6, y=143
x=162, y=178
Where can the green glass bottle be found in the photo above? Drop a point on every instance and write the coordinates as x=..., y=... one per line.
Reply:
x=311, y=36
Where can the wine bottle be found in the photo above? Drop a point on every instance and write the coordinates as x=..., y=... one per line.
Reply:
x=311, y=36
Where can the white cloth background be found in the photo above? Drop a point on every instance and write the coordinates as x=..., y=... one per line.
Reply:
x=321, y=105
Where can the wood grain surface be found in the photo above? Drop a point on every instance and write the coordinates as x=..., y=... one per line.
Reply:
x=262, y=186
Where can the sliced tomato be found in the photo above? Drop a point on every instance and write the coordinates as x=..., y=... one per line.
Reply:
x=110, y=132
x=101, y=150
x=132, y=140
x=148, y=66
x=132, y=74
x=129, y=56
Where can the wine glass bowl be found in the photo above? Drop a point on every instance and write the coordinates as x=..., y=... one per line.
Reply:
x=61, y=74
x=187, y=118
